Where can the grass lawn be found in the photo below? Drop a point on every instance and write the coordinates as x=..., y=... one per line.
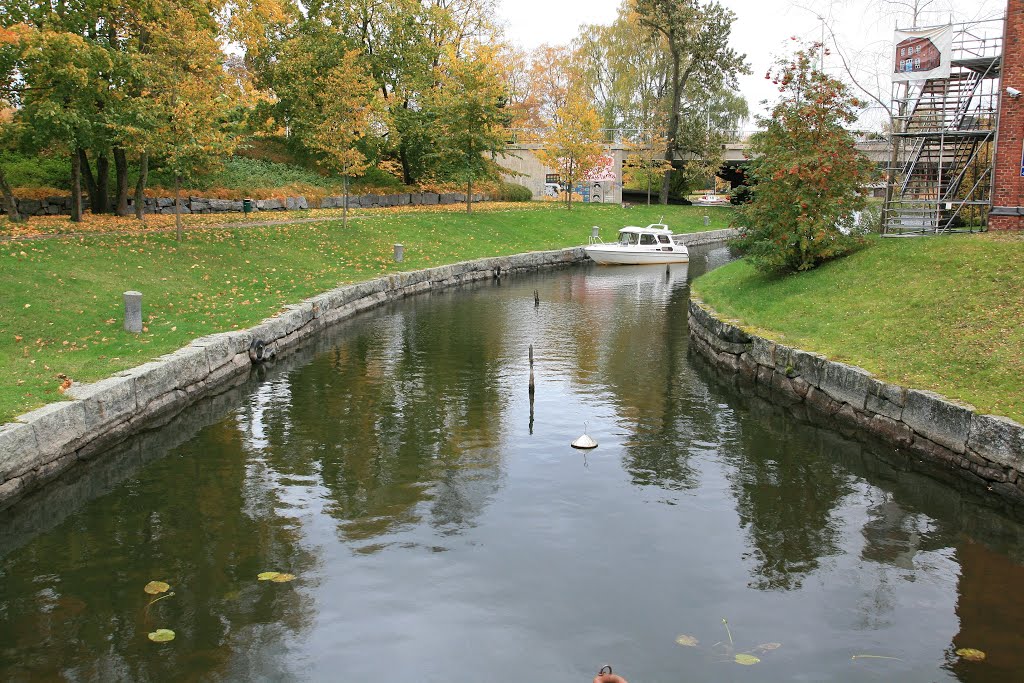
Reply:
x=61, y=306
x=939, y=313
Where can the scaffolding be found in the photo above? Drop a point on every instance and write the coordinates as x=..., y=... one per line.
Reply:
x=943, y=133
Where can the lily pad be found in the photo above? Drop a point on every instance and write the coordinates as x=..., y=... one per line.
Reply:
x=687, y=641
x=162, y=635
x=765, y=647
x=970, y=654
x=283, y=578
x=156, y=587
x=747, y=660
x=268, y=576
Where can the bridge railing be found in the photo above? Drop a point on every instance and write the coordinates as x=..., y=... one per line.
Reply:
x=638, y=137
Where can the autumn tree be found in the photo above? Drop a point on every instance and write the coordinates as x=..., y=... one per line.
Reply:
x=696, y=39
x=809, y=176
x=551, y=74
x=191, y=131
x=471, y=123
x=573, y=145
x=644, y=165
x=347, y=107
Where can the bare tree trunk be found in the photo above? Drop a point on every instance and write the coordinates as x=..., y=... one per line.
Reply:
x=344, y=210
x=140, y=186
x=469, y=195
x=10, y=205
x=102, y=202
x=85, y=174
x=76, y=185
x=177, y=206
x=568, y=192
x=121, y=178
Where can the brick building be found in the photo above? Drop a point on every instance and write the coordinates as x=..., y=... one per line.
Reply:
x=917, y=54
x=1008, y=188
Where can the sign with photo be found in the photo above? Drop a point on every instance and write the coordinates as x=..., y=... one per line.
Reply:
x=920, y=55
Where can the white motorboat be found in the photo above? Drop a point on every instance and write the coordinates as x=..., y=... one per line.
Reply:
x=711, y=200
x=638, y=246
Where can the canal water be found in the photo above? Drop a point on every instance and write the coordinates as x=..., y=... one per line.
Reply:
x=439, y=528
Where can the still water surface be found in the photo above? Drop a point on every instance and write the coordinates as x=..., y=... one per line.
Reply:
x=439, y=531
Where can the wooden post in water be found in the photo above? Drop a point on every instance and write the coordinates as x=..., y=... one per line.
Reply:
x=536, y=298
x=532, y=389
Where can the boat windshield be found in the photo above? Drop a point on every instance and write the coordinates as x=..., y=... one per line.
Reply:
x=628, y=238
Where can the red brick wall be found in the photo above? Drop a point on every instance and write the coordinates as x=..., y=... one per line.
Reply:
x=1008, y=190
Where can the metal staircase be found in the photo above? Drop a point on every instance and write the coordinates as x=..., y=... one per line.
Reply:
x=944, y=129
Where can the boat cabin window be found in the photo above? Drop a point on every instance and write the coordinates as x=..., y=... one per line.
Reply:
x=647, y=238
x=627, y=238
x=663, y=239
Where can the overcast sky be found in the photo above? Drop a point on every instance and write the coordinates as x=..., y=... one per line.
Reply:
x=762, y=29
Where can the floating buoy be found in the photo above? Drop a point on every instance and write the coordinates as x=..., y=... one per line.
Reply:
x=604, y=676
x=584, y=442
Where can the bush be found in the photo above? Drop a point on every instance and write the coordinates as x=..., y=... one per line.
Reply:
x=809, y=176
x=512, y=192
x=26, y=171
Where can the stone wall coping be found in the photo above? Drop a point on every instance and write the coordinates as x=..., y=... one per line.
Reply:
x=986, y=448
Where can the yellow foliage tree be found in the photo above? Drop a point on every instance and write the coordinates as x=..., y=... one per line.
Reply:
x=468, y=108
x=349, y=106
x=573, y=145
x=188, y=101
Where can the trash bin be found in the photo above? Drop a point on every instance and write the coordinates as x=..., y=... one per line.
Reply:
x=246, y=206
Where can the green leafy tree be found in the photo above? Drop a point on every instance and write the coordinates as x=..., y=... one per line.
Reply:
x=468, y=106
x=696, y=39
x=573, y=146
x=59, y=103
x=809, y=176
x=348, y=107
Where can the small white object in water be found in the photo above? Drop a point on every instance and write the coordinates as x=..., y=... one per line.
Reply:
x=584, y=441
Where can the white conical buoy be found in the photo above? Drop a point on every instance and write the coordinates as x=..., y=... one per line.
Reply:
x=584, y=442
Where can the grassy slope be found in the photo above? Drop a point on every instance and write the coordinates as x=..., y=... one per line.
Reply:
x=945, y=314
x=61, y=308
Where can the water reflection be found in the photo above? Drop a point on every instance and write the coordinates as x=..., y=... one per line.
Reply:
x=184, y=531
x=440, y=525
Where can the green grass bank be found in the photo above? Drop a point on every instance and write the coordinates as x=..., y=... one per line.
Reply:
x=61, y=306
x=943, y=313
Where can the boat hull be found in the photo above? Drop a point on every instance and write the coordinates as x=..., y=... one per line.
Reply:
x=609, y=255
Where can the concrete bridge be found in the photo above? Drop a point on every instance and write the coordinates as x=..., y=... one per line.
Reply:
x=521, y=158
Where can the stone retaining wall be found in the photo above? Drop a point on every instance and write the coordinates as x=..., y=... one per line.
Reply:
x=987, y=449
x=52, y=206
x=709, y=236
x=43, y=443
